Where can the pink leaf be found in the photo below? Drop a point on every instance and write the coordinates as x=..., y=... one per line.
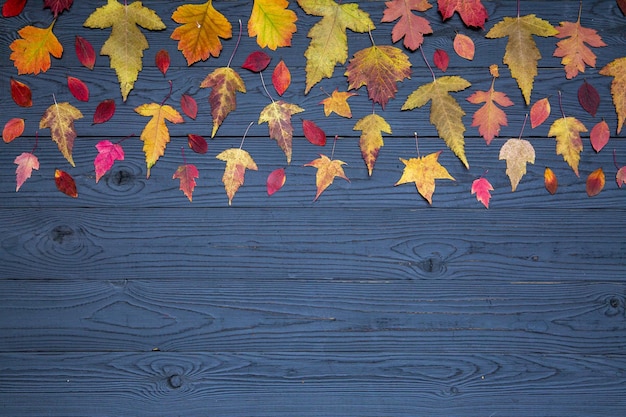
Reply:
x=108, y=153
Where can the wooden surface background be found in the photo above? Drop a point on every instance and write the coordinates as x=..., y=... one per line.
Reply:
x=132, y=301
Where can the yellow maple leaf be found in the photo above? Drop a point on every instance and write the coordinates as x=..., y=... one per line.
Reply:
x=201, y=30
x=31, y=53
x=60, y=117
x=371, y=127
x=272, y=23
x=126, y=43
x=517, y=152
x=329, y=41
x=338, y=102
x=521, y=53
x=567, y=130
x=155, y=134
x=423, y=171
x=445, y=113
x=617, y=69
x=278, y=114
x=327, y=170
x=225, y=82
x=237, y=161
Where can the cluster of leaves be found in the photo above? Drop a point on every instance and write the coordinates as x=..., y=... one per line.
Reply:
x=378, y=68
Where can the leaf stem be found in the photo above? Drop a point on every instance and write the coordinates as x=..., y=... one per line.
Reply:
x=124, y=138
x=332, y=153
x=37, y=142
x=168, y=94
x=561, y=104
x=580, y=10
x=182, y=151
x=417, y=148
x=518, y=8
x=236, y=46
x=615, y=160
x=370, y=33
x=427, y=64
x=523, y=126
x=244, y=134
x=265, y=87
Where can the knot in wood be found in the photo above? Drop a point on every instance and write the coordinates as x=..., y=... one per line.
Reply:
x=175, y=381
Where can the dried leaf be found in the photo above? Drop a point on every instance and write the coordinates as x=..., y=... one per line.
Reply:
x=187, y=175
x=237, y=161
x=411, y=27
x=197, y=143
x=464, y=46
x=482, y=187
x=489, y=118
x=281, y=78
x=539, y=112
x=589, y=98
x=21, y=94
x=313, y=133
x=472, y=12
x=622, y=6
x=441, y=59
x=275, y=180
x=189, y=106
x=25, y=162
x=567, y=130
x=572, y=48
x=371, y=126
x=162, y=61
x=13, y=129
x=278, y=117
x=57, y=6
x=617, y=69
x=12, y=8
x=257, y=61
x=65, y=183
x=599, y=135
x=338, y=103
x=327, y=170
x=517, y=152
x=423, y=171
x=595, y=182
x=272, y=23
x=104, y=111
x=60, y=117
x=79, y=89
x=108, y=153
x=31, y=53
x=620, y=177
x=550, y=181
x=85, y=52
x=225, y=84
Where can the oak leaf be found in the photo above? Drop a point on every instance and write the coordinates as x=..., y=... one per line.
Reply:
x=327, y=170
x=187, y=175
x=60, y=117
x=521, y=53
x=566, y=131
x=21, y=93
x=539, y=112
x=489, y=118
x=411, y=27
x=572, y=49
x=595, y=182
x=225, y=83
x=25, y=162
x=482, y=187
x=57, y=6
x=445, y=113
x=272, y=23
x=85, y=52
x=472, y=12
x=617, y=69
x=31, y=53
x=550, y=181
x=329, y=41
x=371, y=126
x=126, y=43
x=423, y=171
x=13, y=129
x=278, y=114
x=338, y=102
x=65, y=183
x=599, y=135
x=237, y=161
x=108, y=153
x=517, y=152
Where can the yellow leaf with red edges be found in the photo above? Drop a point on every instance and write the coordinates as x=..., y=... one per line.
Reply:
x=338, y=102
x=379, y=68
x=31, y=53
x=423, y=171
x=566, y=131
x=187, y=175
x=411, y=27
x=155, y=134
x=371, y=126
x=490, y=118
x=60, y=117
x=272, y=23
x=617, y=69
x=237, y=161
x=225, y=83
x=573, y=50
x=278, y=117
x=517, y=153
x=201, y=28
x=327, y=170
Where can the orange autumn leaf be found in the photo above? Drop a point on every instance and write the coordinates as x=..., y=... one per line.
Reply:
x=617, y=69
x=281, y=77
x=490, y=118
x=237, y=161
x=517, y=152
x=187, y=175
x=464, y=46
x=472, y=12
x=423, y=171
x=25, y=162
x=371, y=126
x=21, y=94
x=482, y=187
x=411, y=27
x=278, y=114
x=13, y=129
x=550, y=181
x=327, y=170
x=225, y=83
x=202, y=27
x=539, y=112
x=60, y=117
x=272, y=23
x=566, y=131
x=595, y=182
x=599, y=135
x=31, y=53
x=338, y=102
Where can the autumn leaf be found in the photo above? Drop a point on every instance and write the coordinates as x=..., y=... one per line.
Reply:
x=85, y=52
x=517, y=152
x=441, y=59
x=566, y=131
x=599, y=135
x=337, y=102
x=278, y=114
x=472, y=12
x=25, y=162
x=225, y=83
x=327, y=170
x=12, y=8
x=257, y=61
x=539, y=112
x=155, y=134
x=13, y=129
x=423, y=171
x=329, y=41
x=201, y=30
x=57, y=6
x=108, y=153
x=589, y=98
x=65, y=183
x=21, y=94
x=521, y=53
x=189, y=106
x=371, y=126
x=275, y=181
x=617, y=69
x=550, y=181
x=272, y=23
x=104, y=111
x=162, y=61
x=595, y=182
x=464, y=46
x=411, y=27
x=379, y=68
x=313, y=133
x=197, y=143
x=187, y=175
x=281, y=78
x=126, y=43
x=78, y=88
x=490, y=118
x=237, y=161
x=482, y=187
x=445, y=113
x=622, y=6
x=31, y=53
x=620, y=177
x=60, y=117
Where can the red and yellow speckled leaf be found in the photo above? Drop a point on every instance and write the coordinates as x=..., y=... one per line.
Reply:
x=372, y=127
x=566, y=131
x=225, y=84
x=187, y=174
x=617, y=69
x=278, y=117
x=60, y=117
x=237, y=161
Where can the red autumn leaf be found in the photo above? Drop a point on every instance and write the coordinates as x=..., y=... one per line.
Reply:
x=410, y=26
x=550, y=181
x=104, y=111
x=595, y=182
x=441, y=59
x=65, y=183
x=622, y=6
x=464, y=46
x=482, y=187
x=197, y=143
x=281, y=78
x=257, y=61
x=85, y=53
x=187, y=175
x=12, y=8
x=162, y=60
x=189, y=106
x=21, y=94
x=472, y=12
x=57, y=6
x=13, y=129
x=599, y=135
x=78, y=88
x=25, y=162
x=276, y=180
x=620, y=177
x=108, y=153
x=589, y=98
x=313, y=133
x=539, y=112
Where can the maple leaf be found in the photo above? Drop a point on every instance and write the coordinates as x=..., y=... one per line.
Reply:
x=617, y=69
x=155, y=134
x=379, y=68
x=327, y=170
x=199, y=36
x=472, y=12
x=423, y=171
x=31, y=53
x=237, y=161
x=59, y=117
x=445, y=113
x=567, y=130
x=108, y=153
x=411, y=27
x=371, y=127
x=338, y=102
x=489, y=118
x=278, y=114
x=272, y=23
x=126, y=43
x=517, y=152
x=329, y=41
x=225, y=83
x=25, y=162
x=482, y=187
x=57, y=6
x=521, y=53
x=187, y=175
